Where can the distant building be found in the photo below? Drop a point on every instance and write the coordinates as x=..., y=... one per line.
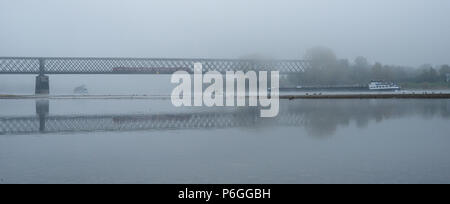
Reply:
x=448, y=77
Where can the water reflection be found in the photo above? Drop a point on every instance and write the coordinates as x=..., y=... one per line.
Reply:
x=317, y=117
x=323, y=117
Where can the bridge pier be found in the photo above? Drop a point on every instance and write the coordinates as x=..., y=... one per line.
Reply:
x=42, y=85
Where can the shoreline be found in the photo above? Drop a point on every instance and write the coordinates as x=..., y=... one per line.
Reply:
x=288, y=97
x=371, y=96
x=83, y=97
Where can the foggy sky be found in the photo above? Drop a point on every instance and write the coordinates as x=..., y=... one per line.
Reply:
x=402, y=32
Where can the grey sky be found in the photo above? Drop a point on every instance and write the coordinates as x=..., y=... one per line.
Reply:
x=404, y=32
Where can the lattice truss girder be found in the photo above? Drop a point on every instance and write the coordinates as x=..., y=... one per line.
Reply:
x=135, y=65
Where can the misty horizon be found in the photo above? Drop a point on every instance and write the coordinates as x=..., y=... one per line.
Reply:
x=407, y=33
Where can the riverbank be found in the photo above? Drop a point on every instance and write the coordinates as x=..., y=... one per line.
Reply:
x=83, y=97
x=426, y=86
x=370, y=96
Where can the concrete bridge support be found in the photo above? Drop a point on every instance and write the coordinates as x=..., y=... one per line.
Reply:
x=42, y=85
x=42, y=81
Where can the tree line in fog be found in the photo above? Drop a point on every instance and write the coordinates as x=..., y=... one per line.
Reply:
x=327, y=69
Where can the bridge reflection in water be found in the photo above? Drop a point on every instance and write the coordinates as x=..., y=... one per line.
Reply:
x=318, y=117
x=44, y=123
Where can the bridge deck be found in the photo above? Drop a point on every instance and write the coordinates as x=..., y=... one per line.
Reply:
x=27, y=65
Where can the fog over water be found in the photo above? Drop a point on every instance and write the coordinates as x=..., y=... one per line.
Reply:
x=95, y=84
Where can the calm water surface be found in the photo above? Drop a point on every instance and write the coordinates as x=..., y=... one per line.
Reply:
x=149, y=141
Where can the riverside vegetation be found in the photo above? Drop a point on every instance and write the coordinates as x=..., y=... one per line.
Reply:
x=327, y=69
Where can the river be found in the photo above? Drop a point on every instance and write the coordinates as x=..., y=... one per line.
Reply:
x=150, y=141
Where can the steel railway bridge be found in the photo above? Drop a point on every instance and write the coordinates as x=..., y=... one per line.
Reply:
x=51, y=66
